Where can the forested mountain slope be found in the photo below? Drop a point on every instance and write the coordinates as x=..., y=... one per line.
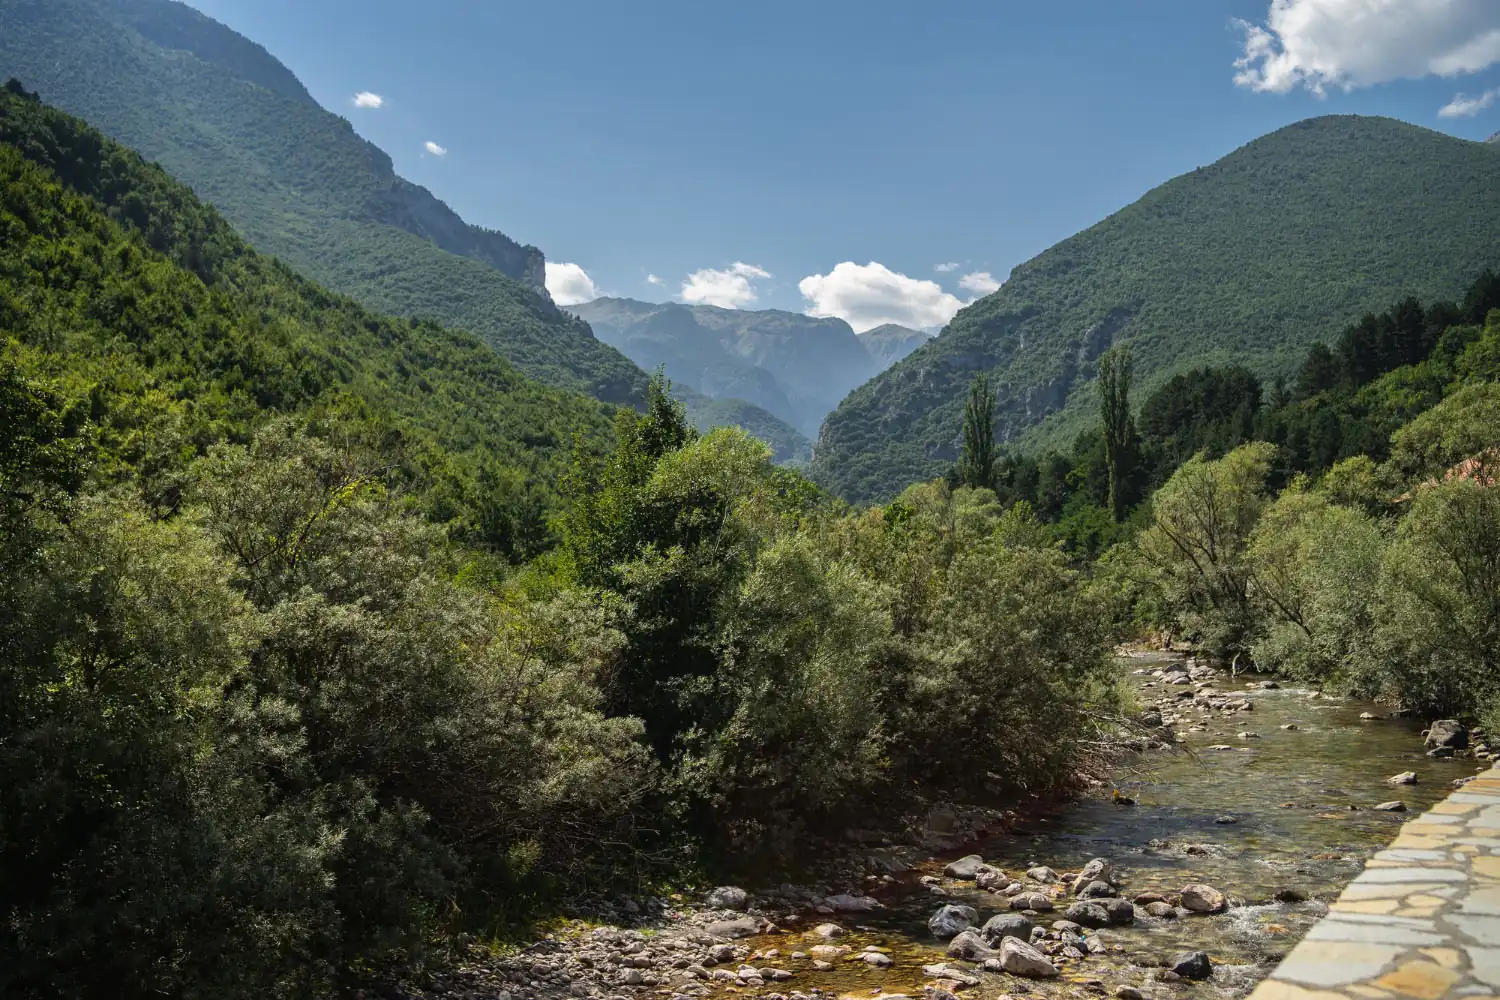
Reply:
x=144, y=306
x=221, y=114
x=793, y=366
x=1249, y=260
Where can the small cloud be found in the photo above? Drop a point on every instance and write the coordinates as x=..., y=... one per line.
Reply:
x=434, y=148
x=979, y=282
x=951, y=265
x=652, y=279
x=365, y=99
x=569, y=284
x=731, y=288
x=868, y=295
x=1464, y=106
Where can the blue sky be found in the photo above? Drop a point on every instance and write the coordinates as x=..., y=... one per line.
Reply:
x=804, y=141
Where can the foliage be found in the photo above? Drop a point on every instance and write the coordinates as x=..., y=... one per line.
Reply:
x=1247, y=261
x=225, y=117
x=976, y=464
x=1115, y=369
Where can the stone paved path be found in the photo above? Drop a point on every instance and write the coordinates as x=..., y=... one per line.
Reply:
x=1423, y=920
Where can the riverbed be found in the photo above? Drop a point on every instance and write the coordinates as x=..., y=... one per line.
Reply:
x=1285, y=806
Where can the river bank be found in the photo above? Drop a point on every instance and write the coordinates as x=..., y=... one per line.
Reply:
x=1270, y=799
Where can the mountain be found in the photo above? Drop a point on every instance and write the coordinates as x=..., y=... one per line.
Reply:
x=1494, y=138
x=1279, y=244
x=220, y=113
x=169, y=334
x=890, y=343
x=793, y=366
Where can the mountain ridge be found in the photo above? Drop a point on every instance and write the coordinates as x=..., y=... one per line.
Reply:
x=1276, y=245
x=890, y=342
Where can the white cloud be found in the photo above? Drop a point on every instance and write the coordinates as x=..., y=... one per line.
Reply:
x=979, y=282
x=365, y=99
x=731, y=288
x=1464, y=106
x=867, y=295
x=952, y=265
x=1346, y=44
x=652, y=279
x=434, y=148
x=569, y=284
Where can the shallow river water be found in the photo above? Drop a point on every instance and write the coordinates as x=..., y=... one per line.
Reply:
x=1301, y=800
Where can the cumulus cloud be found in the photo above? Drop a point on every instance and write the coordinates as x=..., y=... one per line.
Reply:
x=652, y=279
x=731, y=288
x=951, y=265
x=434, y=148
x=979, y=282
x=1464, y=106
x=867, y=295
x=365, y=99
x=569, y=284
x=1346, y=44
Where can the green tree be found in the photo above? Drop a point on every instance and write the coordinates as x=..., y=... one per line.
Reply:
x=976, y=463
x=1115, y=367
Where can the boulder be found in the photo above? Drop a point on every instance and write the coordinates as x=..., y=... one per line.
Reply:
x=741, y=927
x=1041, y=873
x=1003, y=925
x=1031, y=901
x=1097, y=870
x=1448, y=733
x=1097, y=890
x=970, y=947
x=845, y=903
x=991, y=878
x=1396, y=806
x=728, y=897
x=828, y=952
x=1121, y=911
x=1088, y=913
x=828, y=931
x=1021, y=959
x=1201, y=898
x=1192, y=965
x=1290, y=896
x=1151, y=719
x=965, y=869
x=950, y=920
x=876, y=960
x=1161, y=910
x=1404, y=778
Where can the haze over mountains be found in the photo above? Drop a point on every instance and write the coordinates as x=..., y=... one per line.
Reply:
x=1247, y=261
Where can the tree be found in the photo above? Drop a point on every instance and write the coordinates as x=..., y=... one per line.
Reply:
x=976, y=466
x=1119, y=428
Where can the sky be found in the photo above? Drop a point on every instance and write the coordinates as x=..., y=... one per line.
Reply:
x=878, y=160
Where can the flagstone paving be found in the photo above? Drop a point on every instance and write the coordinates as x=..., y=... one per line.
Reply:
x=1423, y=919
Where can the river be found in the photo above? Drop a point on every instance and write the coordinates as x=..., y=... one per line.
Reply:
x=1286, y=809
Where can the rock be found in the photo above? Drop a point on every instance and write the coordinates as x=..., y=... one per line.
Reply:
x=632, y=977
x=1441, y=752
x=1396, y=806
x=821, y=966
x=1097, y=890
x=728, y=897
x=1151, y=719
x=828, y=931
x=1201, y=898
x=951, y=973
x=1097, y=870
x=1368, y=716
x=1129, y=993
x=1021, y=959
x=1290, y=726
x=1269, y=686
x=1226, y=820
x=970, y=947
x=1031, y=901
x=1404, y=778
x=876, y=959
x=1221, y=746
x=1041, y=873
x=845, y=903
x=1161, y=910
x=1448, y=733
x=1121, y=911
x=1247, y=736
x=741, y=927
x=721, y=953
x=1290, y=896
x=1088, y=913
x=1192, y=965
x=965, y=869
x=950, y=920
x=931, y=993
x=1003, y=925
x=828, y=952
x=991, y=878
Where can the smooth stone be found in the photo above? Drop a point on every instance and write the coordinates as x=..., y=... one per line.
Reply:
x=1021, y=959
x=965, y=869
x=952, y=919
x=728, y=897
x=1404, y=778
x=1201, y=898
x=1192, y=965
x=1003, y=925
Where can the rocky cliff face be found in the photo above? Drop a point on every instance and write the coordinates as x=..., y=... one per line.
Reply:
x=418, y=211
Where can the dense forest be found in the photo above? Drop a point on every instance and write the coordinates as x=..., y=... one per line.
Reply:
x=1247, y=261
